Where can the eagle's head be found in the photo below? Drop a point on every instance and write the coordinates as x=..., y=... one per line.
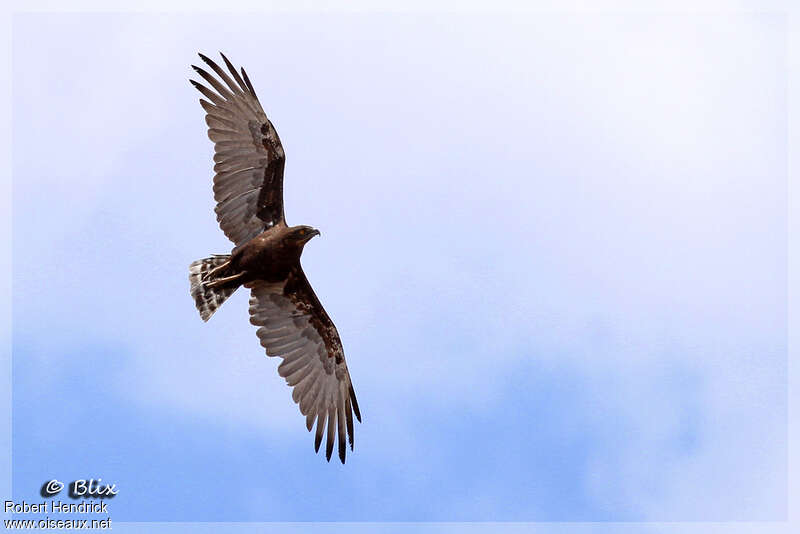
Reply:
x=300, y=235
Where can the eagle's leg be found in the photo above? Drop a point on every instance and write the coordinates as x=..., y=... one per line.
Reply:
x=225, y=281
x=210, y=275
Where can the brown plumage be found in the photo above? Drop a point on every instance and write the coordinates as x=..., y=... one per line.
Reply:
x=248, y=188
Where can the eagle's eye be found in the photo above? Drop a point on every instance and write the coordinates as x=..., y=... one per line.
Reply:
x=303, y=231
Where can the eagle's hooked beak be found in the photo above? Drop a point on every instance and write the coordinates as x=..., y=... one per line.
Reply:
x=310, y=234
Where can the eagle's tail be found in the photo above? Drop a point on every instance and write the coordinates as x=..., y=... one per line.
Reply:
x=208, y=299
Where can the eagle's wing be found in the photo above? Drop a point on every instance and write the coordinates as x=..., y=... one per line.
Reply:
x=294, y=325
x=248, y=185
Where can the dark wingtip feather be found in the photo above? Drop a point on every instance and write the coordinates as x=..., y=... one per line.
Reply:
x=249, y=85
x=331, y=431
x=320, y=431
x=350, y=436
x=348, y=411
x=232, y=70
x=201, y=72
x=355, y=403
x=208, y=61
x=208, y=93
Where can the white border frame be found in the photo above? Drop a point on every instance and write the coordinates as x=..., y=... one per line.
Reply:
x=722, y=7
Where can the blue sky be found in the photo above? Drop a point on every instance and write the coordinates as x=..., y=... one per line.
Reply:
x=554, y=247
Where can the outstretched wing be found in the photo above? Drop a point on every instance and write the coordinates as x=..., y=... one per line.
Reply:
x=294, y=325
x=248, y=185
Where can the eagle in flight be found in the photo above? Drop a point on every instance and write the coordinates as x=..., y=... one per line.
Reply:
x=292, y=324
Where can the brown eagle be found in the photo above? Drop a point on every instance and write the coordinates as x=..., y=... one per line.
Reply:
x=292, y=324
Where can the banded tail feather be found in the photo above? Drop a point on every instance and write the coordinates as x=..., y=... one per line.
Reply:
x=208, y=299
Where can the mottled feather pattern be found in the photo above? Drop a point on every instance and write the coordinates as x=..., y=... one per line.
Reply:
x=207, y=300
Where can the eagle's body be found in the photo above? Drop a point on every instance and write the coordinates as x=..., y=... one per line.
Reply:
x=270, y=256
x=293, y=325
